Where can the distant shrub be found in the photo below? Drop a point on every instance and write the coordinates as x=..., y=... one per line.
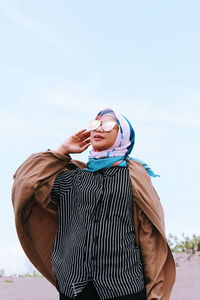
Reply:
x=8, y=281
x=187, y=244
x=33, y=274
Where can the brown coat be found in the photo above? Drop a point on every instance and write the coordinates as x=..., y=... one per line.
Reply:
x=36, y=219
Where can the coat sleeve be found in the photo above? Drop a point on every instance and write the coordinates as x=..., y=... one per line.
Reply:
x=35, y=212
x=158, y=261
x=152, y=245
x=34, y=179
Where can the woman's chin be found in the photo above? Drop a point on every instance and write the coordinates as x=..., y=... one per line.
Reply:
x=98, y=148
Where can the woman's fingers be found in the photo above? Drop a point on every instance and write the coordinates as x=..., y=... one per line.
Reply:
x=83, y=143
x=85, y=134
x=80, y=132
x=85, y=147
x=81, y=135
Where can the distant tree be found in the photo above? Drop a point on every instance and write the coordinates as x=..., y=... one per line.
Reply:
x=188, y=244
x=31, y=270
x=2, y=272
x=198, y=246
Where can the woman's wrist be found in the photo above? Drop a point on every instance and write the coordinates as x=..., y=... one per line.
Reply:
x=62, y=150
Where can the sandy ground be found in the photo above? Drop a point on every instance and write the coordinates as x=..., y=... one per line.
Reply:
x=187, y=285
x=27, y=288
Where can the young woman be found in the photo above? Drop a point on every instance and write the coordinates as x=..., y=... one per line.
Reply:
x=109, y=241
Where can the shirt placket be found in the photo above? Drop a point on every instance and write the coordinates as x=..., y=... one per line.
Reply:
x=96, y=217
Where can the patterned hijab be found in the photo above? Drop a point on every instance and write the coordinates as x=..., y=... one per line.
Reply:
x=119, y=152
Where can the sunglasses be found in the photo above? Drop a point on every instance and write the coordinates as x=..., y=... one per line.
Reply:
x=107, y=125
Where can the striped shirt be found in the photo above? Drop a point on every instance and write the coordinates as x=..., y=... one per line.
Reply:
x=95, y=238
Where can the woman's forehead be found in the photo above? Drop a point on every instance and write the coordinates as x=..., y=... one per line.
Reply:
x=106, y=118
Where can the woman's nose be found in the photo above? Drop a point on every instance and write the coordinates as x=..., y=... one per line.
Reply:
x=99, y=129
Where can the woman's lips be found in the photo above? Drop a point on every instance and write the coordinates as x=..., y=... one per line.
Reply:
x=98, y=137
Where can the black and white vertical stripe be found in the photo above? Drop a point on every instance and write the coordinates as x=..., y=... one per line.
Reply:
x=95, y=237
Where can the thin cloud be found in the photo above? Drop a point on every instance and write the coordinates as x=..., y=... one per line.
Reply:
x=85, y=99
x=149, y=114
x=37, y=28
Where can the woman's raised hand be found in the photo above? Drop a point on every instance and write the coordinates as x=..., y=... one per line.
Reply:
x=76, y=143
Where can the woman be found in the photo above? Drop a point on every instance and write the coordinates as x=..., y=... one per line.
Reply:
x=109, y=241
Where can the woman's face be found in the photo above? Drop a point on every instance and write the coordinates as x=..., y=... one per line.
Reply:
x=102, y=140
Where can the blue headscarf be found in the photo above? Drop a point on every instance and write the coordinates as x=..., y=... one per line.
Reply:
x=119, y=152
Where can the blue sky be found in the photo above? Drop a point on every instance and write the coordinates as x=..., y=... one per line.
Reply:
x=63, y=61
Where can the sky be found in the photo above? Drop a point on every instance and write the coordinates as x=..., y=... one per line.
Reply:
x=61, y=62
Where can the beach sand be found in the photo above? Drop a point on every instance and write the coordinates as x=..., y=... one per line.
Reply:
x=27, y=288
x=187, y=285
